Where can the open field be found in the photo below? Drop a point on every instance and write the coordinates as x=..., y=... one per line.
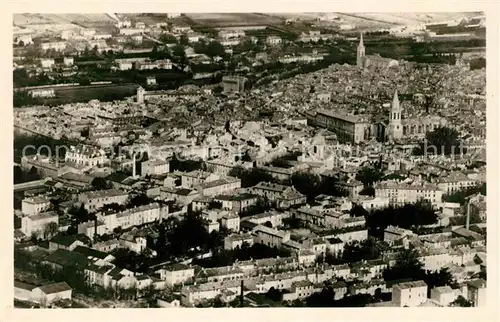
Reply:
x=233, y=19
x=28, y=18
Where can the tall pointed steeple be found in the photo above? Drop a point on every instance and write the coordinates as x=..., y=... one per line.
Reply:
x=360, y=53
x=395, y=101
x=395, y=126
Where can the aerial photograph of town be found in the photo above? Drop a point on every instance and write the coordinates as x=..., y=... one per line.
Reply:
x=226, y=160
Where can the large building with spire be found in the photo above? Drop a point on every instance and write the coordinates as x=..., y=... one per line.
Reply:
x=358, y=128
x=395, y=127
x=372, y=61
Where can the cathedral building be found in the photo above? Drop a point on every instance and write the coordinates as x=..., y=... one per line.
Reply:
x=410, y=127
x=372, y=61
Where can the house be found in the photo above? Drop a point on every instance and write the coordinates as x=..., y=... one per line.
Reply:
x=94, y=254
x=444, y=295
x=107, y=246
x=273, y=40
x=182, y=195
x=91, y=228
x=335, y=245
x=275, y=218
x=47, y=63
x=192, y=178
x=270, y=237
x=84, y=154
x=231, y=221
x=341, y=271
x=221, y=274
x=62, y=258
x=237, y=203
x=392, y=234
x=35, y=205
x=409, y=294
x=168, y=303
x=236, y=241
x=282, y=196
x=371, y=203
x=143, y=282
x=476, y=292
x=99, y=274
x=301, y=290
x=37, y=223
x=134, y=216
x=310, y=216
x=67, y=242
x=176, y=274
x=49, y=293
x=403, y=193
x=306, y=257
x=212, y=226
x=133, y=241
x=95, y=200
x=154, y=167
x=219, y=186
x=122, y=278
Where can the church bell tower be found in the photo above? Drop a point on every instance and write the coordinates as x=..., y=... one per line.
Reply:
x=360, y=53
x=395, y=126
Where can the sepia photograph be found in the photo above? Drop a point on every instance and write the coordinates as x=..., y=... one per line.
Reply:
x=249, y=160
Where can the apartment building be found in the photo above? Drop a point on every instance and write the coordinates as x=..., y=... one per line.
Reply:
x=409, y=294
x=282, y=196
x=231, y=221
x=36, y=223
x=237, y=203
x=95, y=200
x=154, y=167
x=134, y=217
x=86, y=155
x=454, y=182
x=176, y=274
x=401, y=193
x=371, y=203
x=34, y=206
x=192, y=178
x=237, y=240
x=219, y=186
x=273, y=40
x=270, y=237
x=56, y=45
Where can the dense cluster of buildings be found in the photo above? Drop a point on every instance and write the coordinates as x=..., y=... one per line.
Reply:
x=333, y=125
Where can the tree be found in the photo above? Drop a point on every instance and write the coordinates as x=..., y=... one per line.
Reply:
x=273, y=294
x=99, y=183
x=368, y=191
x=214, y=48
x=407, y=267
x=184, y=40
x=168, y=39
x=50, y=230
x=442, y=140
x=325, y=298
x=461, y=301
x=80, y=214
x=369, y=175
x=358, y=211
x=139, y=200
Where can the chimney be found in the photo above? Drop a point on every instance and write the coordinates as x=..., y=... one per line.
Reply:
x=241, y=293
x=467, y=221
x=133, y=167
x=95, y=230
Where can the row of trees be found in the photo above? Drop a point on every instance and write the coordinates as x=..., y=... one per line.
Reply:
x=407, y=216
x=461, y=195
x=442, y=140
x=246, y=252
